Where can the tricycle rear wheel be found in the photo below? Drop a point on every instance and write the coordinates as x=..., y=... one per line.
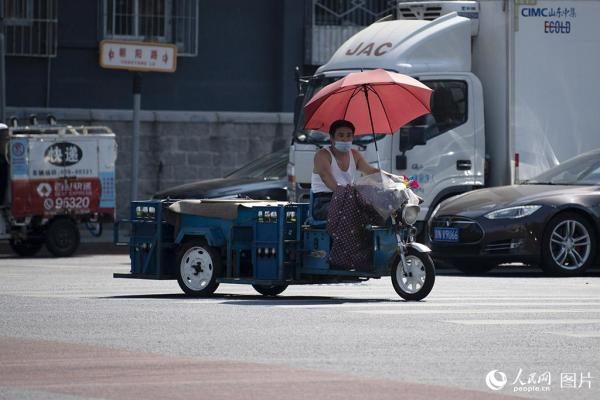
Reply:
x=197, y=268
x=269, y=290
x=414, y=283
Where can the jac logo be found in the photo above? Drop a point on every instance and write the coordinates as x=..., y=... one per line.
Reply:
x=369, y=49
x=63, y=154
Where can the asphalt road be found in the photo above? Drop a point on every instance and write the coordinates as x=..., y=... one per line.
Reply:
x=68, y=330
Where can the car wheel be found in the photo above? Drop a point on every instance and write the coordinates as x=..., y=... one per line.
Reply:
x=25, y=248
x=197, y=268
x=269, y=290
x=569, y=245
x=62, y=237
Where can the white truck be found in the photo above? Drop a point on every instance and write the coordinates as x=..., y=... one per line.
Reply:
x=515, y=86
x=52, y=178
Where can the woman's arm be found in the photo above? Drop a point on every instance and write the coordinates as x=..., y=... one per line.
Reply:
x=362, y=165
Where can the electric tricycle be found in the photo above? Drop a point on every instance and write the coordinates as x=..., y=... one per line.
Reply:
x=271, y=245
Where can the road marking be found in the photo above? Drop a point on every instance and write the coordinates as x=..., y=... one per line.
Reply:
x=577, y=334
x=511, y=311
x=523, y=321
x=396, y=303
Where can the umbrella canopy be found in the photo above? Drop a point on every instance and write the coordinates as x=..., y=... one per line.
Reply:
x=375, y=101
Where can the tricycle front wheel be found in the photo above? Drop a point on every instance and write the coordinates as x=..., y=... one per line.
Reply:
x=416, y=279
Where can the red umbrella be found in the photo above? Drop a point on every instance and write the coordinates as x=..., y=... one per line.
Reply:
x=375, y=101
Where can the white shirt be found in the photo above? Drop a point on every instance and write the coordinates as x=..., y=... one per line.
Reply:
x=342, y=178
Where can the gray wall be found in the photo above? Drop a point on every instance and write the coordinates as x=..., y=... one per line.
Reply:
x=224, y=107
x=247, y=51
x=180, y=147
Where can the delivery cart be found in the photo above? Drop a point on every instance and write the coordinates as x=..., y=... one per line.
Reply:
x=269, y=245
x=52, y=178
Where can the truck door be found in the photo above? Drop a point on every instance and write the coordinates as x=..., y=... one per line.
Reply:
x=450, y=158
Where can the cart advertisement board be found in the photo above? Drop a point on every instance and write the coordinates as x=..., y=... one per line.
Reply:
x=55, y=175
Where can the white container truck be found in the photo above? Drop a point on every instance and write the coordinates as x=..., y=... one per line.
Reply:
x=515, y=88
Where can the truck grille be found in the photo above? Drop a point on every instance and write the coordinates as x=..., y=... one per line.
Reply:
x=427, y=13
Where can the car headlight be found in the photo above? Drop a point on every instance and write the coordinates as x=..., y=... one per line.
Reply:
x=410, y=214
x=513, y=212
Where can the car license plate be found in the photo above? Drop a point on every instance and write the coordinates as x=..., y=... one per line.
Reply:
x=445, y=234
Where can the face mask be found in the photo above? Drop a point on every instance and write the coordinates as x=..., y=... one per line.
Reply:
x=343, y=146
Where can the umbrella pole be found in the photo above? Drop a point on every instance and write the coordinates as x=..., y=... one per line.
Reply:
x=372, y=126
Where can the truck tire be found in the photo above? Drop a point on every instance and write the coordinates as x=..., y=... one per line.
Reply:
x=62, y=237
x=25, y=248
x=197, y=267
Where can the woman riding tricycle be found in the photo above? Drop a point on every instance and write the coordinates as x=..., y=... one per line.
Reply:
x=369, y=229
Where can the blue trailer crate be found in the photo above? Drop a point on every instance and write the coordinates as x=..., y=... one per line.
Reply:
x=151, y=243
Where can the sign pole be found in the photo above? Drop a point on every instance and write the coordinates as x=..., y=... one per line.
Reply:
x=137, y=100
x=137, y=57
x=2, y=65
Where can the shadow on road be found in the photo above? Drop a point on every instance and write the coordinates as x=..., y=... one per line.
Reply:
x=259, y=300
x=510, y=271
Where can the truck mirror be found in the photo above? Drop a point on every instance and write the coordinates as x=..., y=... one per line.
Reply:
x=412, y=136
x=297, y=78
x=298, y=107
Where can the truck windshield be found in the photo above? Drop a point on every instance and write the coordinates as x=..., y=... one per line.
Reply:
x=317, y=137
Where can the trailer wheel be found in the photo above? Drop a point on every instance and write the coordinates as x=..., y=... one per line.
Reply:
x=62, y=237
x=197, y=268
x=25, y=248
x=269, y=290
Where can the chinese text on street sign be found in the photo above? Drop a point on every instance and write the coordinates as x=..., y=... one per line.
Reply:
x=138, y=56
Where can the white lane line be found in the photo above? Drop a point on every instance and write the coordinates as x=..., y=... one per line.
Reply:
x=509, y=297
x=436, y=304
x=577, y=334
x=523, y=321
x=512, y=311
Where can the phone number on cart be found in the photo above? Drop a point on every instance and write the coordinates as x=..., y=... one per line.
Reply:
x=67, y=202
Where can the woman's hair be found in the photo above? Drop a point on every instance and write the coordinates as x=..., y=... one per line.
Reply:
x=340, y=123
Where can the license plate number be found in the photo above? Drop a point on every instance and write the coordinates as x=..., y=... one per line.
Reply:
x=445, y=234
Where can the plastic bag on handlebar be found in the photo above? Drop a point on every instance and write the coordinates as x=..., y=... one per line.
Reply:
x=386, y=193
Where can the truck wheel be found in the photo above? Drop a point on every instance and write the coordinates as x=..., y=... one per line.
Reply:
x=25, y=248
x=197, y=268
x=62, y=237
x=415, y=281
x=269, y=290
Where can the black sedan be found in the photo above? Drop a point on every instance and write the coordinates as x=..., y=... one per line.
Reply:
x=552, y=220
x=262, y=179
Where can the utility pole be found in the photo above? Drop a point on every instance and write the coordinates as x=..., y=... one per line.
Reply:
x=135, y=145
x=2, y=65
